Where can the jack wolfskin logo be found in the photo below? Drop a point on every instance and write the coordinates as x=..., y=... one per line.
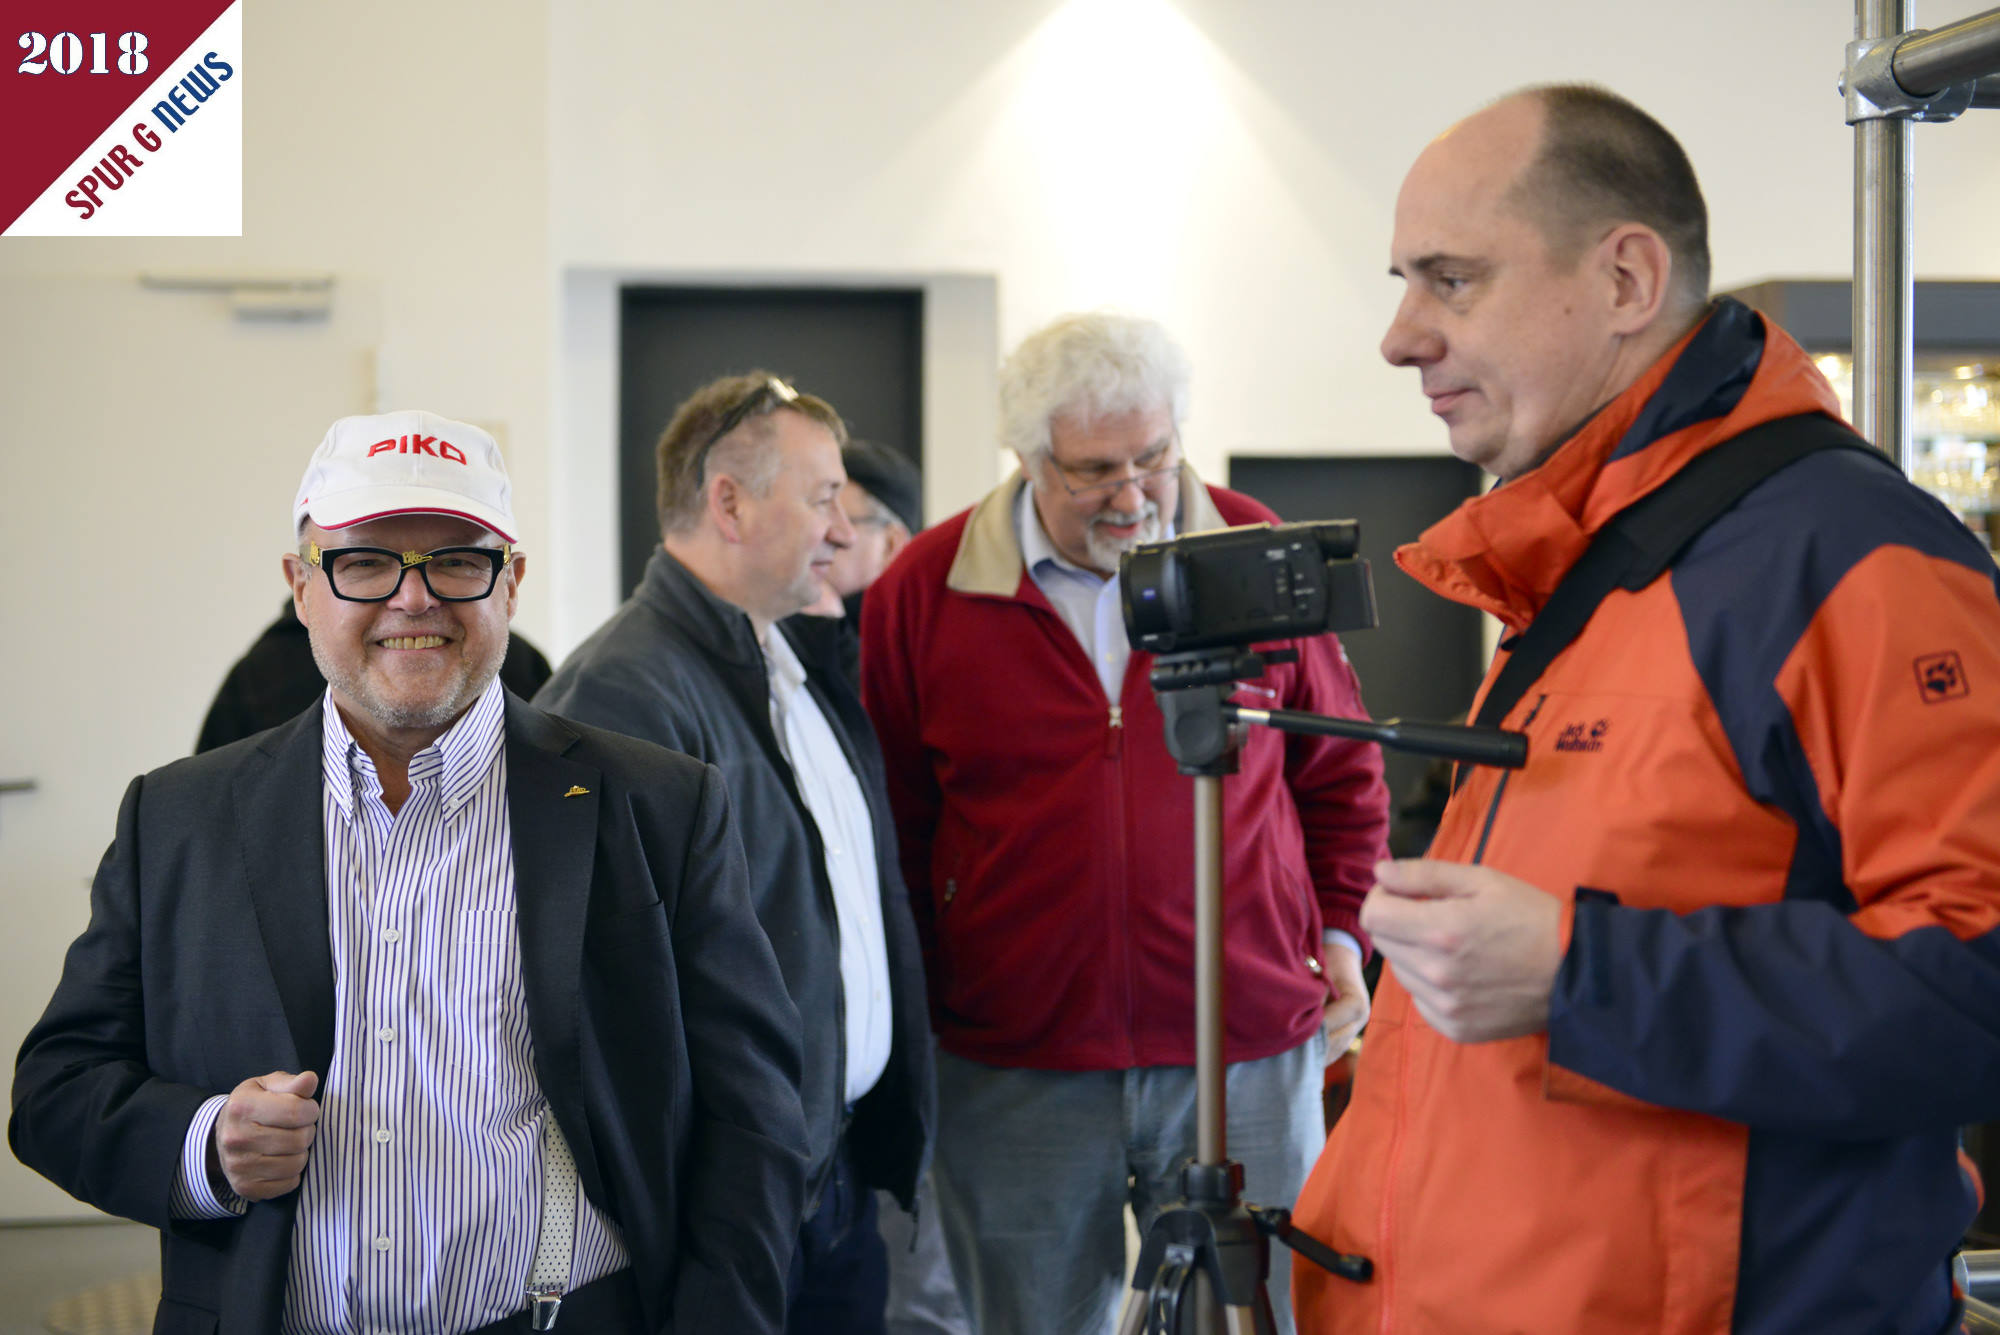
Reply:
x=1941, y=677
x=1583, y=736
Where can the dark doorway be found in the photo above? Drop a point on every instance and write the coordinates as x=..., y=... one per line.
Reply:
x=1424, y=659
x=860, y=349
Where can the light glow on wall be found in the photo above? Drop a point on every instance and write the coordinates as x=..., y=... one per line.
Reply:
x=1118, y=106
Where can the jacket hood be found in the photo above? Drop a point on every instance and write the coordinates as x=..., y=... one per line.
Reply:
x=1505, y=552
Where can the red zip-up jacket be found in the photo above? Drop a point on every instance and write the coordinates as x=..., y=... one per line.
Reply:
x=1048, y=838
x=1766, y=789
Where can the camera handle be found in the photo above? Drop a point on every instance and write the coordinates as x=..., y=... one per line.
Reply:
x=1211, y=1245
x=1190, y=690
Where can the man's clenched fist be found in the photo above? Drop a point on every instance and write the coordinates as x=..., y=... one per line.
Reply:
x=264, y=1131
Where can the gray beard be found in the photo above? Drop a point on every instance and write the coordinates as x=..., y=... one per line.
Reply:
x=439, y=713
x=1104, y=552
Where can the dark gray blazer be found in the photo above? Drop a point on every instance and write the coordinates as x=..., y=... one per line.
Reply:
x=663, y=1036
x=678, y=666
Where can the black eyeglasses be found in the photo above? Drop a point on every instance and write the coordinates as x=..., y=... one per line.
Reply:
x=373, y=574
x=773, y=392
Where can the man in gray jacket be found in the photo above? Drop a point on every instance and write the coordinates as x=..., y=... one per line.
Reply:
x=750, y=479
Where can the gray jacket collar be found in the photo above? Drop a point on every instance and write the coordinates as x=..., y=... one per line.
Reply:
x=717, y=626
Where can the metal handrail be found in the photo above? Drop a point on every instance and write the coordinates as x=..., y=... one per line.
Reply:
x=1884, y=283
x=1949, y=67
x=1981, y=1275
x=1926, y=63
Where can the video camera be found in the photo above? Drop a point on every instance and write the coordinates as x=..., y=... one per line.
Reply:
x=1200, y=602
x=1233, y=587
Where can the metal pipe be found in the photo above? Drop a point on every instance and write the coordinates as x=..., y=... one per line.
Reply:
x=1957, y=53
x=1982, y=1274
x=1210, y=1112
x=1884, y=288
x=1986, y=92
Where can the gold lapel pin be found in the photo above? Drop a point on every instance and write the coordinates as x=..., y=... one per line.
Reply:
x=576, y=791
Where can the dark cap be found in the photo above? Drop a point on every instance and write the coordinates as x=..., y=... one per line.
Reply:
x=888, y=476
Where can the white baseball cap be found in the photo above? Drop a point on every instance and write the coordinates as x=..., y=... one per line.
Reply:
x=404, y=463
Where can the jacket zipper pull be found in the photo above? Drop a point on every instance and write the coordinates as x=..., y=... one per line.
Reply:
x=1111, y=738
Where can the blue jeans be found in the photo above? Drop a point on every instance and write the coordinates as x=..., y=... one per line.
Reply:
x=1035, y=1169
x=840, y=1274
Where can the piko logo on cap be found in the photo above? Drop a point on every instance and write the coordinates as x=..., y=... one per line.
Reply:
x=417, y=444
x=405, y=463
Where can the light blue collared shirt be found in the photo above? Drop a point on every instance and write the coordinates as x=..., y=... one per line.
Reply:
x=1087, y=602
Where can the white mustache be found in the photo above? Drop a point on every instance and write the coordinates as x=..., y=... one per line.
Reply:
x=1147, y=512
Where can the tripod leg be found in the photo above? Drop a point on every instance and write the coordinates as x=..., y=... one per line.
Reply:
x=1133, y=1319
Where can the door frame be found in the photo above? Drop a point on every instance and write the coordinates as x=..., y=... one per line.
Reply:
x=962, y=457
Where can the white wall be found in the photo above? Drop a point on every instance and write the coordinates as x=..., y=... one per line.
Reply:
x=1227, y=165
x=404, y=146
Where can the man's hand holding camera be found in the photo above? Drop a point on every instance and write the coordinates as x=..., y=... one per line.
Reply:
x=264, y=1131
x=1476, y=949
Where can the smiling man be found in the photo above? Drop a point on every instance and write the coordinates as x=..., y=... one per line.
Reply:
x=749, y=500
x=426, y=1011
x=1046, y=835
x=1681, y=1018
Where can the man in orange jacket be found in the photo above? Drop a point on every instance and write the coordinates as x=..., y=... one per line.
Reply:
x=1682, y=1017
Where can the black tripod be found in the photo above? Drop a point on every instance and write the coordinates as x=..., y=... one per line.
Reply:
x=1206, y=1255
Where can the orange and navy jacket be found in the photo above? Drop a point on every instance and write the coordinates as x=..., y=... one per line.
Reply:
x=1766, y=788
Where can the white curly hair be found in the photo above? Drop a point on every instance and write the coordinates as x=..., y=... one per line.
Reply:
x=1088, y=366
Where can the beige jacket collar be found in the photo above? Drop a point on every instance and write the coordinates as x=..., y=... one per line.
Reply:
x=989, y=553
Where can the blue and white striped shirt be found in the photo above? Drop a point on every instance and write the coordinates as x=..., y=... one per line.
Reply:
x=421, y=1203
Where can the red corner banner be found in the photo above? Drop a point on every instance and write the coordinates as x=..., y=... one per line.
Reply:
x=122, y=118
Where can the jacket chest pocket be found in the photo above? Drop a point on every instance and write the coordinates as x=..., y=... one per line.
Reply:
x=1626, y=793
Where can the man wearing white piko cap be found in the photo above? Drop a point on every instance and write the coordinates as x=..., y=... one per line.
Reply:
x=427, y=1011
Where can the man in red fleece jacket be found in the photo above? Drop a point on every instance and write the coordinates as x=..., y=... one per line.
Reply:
x=1046, y=837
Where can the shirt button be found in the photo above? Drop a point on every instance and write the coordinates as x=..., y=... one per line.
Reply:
x=381, y=1244
x=386, y=1034
x=391, y=935
x=382, y=1136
